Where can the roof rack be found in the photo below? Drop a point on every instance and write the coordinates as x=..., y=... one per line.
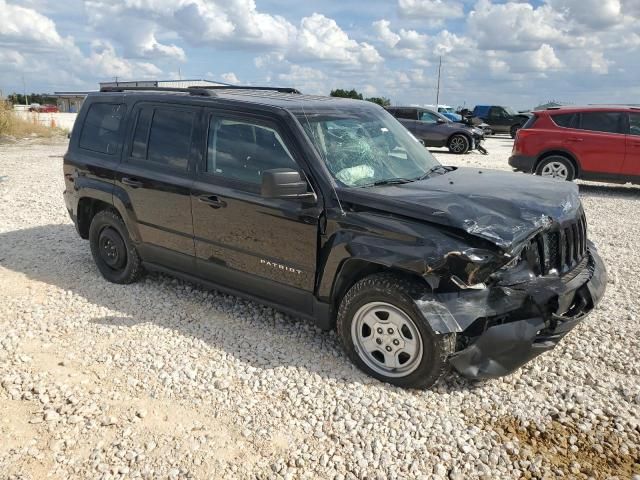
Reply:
x=190, y=90
x=205, y=91
x=249, y=87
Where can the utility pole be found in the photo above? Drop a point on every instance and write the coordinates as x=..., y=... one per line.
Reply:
x=179, y=74
x=24, y=90
x=438, y=88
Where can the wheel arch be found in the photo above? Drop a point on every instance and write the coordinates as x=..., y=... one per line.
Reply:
x=354, y=269
x=460, y=132
x=89, y=207
x=559, y=152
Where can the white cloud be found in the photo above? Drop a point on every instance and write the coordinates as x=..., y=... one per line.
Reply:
x=230, y=77
x=31, y=45
x=20, y=26
x=430, y=9
x=517, y=26
x=321, y=38
x=592, y=13
x=105, y=62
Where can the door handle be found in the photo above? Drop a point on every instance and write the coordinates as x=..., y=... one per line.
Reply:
x=132, y=182
x=574, y=139
x=212, y=201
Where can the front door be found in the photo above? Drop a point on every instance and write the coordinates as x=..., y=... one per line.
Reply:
x=156, y=179
x=265, y=247
x=632, y=156
x=500, y=120
x=429, y=130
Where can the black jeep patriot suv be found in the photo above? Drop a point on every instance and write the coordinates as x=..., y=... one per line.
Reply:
x=329, y=209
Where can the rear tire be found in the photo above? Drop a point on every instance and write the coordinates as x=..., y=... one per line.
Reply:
x=459, y=144
x=556, y=166
x=112, y=249
x=386, y=336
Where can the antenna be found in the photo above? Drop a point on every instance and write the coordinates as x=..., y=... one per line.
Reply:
x=438, y=88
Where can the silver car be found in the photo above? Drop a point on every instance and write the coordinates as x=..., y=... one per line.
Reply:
x=435, y=130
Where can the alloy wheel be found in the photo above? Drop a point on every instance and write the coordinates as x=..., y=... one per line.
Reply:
x=555, y=170
x=458, y=144
x=386, y=339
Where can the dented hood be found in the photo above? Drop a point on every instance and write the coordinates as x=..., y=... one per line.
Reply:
x=502, y=207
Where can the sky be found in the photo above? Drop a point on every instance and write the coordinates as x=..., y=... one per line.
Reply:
x=517, y=53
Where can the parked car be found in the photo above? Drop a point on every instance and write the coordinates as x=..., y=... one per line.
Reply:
x=329, y=209
x=501, y=119
x=591, y=143
x=48, y=108
x=437, y=131
x=447, y=111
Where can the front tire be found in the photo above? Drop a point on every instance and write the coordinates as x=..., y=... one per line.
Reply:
x=557, y=167
x=386, y=336
x=112, y=249
x=514, y=130
x=459, y=144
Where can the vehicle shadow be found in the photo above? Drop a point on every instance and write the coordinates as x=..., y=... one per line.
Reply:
x=263, y=337
x=627, y=191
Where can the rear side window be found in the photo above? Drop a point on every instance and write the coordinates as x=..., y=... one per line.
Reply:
x=608, y=122
x=531, y=122
x=634, y=123
x=408, y=113
x=163, y=137
x=101, y=131
x=567, y=120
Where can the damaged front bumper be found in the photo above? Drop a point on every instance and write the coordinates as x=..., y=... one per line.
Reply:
x=502, y=327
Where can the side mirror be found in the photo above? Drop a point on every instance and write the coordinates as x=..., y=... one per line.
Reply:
x=284, y=183
x=441, y=120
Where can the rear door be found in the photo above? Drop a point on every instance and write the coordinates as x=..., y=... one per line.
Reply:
x=599, y=142
x=263, y=246
x=156, y=178
x=632, y=156
x=407, y=117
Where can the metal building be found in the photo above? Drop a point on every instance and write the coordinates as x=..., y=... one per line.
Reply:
x=70, y=102
x=163, y=83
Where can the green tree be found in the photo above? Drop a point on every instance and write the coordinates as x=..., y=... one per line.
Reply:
x=382, y=101
x=41, y=98
x=339, y=92
x=353, y=93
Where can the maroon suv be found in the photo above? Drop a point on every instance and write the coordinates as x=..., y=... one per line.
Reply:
x=599, y=143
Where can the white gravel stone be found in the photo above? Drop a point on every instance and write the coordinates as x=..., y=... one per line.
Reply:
x=162, y=379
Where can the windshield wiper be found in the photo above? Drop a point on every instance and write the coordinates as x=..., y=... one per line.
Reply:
x=433, y=169
x=389, y=181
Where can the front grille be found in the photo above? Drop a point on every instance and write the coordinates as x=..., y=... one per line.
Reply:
x=560, y=249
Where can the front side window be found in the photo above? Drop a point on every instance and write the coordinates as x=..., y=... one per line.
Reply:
x=634, y=123
x=366, y=146
x=101, y=131
x=428, y=117
x=497, y=112
x=242, y=150
x=607, y=122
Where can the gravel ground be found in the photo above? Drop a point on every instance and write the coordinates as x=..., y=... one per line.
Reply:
x=162, y=379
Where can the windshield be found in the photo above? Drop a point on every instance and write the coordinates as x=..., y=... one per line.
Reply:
x=446, y=110
x=510, y=111
x=363, y=147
